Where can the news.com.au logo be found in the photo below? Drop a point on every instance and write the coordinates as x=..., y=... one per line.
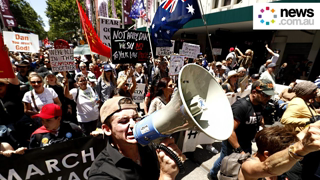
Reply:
x=286, y=16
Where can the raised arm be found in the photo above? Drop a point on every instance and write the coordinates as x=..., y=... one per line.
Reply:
x=238, y=50
x=269, y=50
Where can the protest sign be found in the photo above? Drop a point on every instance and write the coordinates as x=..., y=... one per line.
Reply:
x=216, y=51
x=176, y=63
x=64, y=161
x=61, y=60
x=61, y=44
x=138, y=95
x=129, y=46
x=105, y=27
x=21, y=42
x=190, y=50
x=165, y=51
x=5, y=68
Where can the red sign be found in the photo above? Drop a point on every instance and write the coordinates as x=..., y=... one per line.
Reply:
x=6, y=67
x=61, y=44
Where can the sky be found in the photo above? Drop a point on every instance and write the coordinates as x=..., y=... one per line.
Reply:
x=40, y=7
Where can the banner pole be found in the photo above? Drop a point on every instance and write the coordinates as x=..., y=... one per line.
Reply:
x=147, y=27
x=205, y=23
x=122, y=15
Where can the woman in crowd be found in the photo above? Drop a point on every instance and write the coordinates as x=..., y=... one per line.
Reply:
x=164, y=91
x=139, y=74
x=35, y=99
x=124, y=88
x=246, y=59
x=106, y=85
x=231, y=82
x=87, y=103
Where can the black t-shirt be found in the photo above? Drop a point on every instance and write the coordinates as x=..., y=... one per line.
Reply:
x=11, y=108
x=67, y=131
x=311, y=166
x=245, y=112
x=111, y=164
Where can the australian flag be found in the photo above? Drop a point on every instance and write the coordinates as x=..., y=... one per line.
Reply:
x=170, y=17
x=138, y=10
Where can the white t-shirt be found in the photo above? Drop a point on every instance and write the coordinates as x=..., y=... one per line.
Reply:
x=87, y=108
x=46, y=97
x=275, y=58
x=233, y=56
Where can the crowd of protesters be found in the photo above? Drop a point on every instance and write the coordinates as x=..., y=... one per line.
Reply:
x=56, y=101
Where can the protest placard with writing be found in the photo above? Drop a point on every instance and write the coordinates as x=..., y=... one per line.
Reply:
x=138, y=94
x=61, y=60
x=129, y=46
x=216, y=51
x=190, y=50
x=105, y=28
x=176, y=63
x=165, y=51
x=64, y=161
x=21, y=42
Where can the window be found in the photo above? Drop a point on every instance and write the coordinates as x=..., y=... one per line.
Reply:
x=215, y=4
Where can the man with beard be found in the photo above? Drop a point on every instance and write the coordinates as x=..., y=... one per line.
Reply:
x=247, y=118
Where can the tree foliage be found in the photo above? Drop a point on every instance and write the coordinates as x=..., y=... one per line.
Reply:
x=27, y=17
x=63, y=17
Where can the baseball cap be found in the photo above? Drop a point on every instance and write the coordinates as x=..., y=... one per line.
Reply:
x=255, y=76
x=265, y=86
x=23, y=63
x=223, y=67
x=271, y=65
x=49, y=111
x=231, y=49
x=107, y=67
x=114, y=105
x=219, y=64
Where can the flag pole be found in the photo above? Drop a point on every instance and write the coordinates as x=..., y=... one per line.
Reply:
x=147, y=27
x=205, y=23
x=122, y=15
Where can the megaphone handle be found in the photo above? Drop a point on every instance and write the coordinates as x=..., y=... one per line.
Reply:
x=173, y=156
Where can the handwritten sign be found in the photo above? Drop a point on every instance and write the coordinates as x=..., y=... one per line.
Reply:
x=105, y=27
x=21, y=42
x=129, y=46
x=165, y=51
x=190, y=50
x=138, y=95
x=216, y=51
x=62, y=60
x=176, y=63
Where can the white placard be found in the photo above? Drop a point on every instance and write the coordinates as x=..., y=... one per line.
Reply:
x=165, y=51
x=176, y=63
x=138, y=95
x=21, y=42
x=190, y=50
x=105, y=28
x=216, y=51
x=62, y=60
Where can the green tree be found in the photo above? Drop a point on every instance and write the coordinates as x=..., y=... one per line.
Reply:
x=63, y=17
x=27, y=17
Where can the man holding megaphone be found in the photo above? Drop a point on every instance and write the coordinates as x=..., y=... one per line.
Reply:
x=123, y=157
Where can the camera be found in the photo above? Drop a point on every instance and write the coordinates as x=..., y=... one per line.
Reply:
x=315, y=118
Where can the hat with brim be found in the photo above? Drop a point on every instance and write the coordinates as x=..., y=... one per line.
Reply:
x=107, y=67
x=218, y=64
x=49, y=111
x=232, y=73
x=23, y=63
x=271, y=65
x=223, y=67
x=265, y=86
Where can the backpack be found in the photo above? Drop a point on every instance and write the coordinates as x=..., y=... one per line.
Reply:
x=230, y=166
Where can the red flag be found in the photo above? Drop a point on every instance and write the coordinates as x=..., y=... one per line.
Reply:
x=6, y=67
x=94, y=41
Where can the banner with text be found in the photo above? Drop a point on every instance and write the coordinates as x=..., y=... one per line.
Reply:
x=176, y=63
x=129, y=46
x=62, y=60
x=216, y=51
x=21, y=42
x=105, y=27
x=103, y=8
x=138, y=95
x=190, y=50
x=63, y=161
x=165, y=51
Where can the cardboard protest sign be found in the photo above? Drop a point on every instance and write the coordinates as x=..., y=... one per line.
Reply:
x=216, y=51
x=105, y=27
x=21, y=42
x=176, y=63
x=5, y=68
x=61, y=60
x=138, y=95
x=190, y=50
x=165, y=51
x=129, y=46
x=64, y=161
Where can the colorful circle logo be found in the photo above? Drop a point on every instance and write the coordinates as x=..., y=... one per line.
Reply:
x=264, y=15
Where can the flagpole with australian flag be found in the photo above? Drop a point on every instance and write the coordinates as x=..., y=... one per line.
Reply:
x=171, y=16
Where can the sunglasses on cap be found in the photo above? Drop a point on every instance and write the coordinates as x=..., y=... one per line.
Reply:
x=263, y=94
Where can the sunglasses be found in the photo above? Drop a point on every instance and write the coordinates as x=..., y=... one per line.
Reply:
x=34, y=82
x=47, y=61
x=127, y=84
x=82, y=66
